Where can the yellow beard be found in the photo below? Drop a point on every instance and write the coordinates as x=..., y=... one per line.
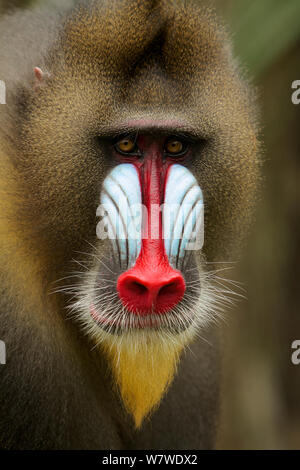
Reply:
x=143, y=371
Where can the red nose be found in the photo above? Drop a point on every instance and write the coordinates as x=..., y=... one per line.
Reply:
x=157, y=290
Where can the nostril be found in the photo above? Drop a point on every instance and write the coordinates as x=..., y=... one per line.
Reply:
x=170, y=294
x=137, y=288
x=169, y=289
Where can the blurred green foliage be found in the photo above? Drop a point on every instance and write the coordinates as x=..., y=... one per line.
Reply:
x=9, y=4
x=263, y=30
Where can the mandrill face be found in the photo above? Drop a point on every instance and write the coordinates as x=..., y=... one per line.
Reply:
x=143, y=300
x=153, y=214
x=133, y=133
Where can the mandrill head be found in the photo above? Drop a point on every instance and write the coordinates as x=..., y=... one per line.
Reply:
x=138, y=123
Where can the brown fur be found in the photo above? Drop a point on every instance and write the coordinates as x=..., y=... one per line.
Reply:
x=108, y=62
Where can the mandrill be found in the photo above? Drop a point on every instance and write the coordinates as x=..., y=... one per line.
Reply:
x=128, y=169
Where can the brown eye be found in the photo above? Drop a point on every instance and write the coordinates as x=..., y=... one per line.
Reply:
x=125, y=145
x=175, y=147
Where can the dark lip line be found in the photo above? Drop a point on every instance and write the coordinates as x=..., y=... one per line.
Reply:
x=105, y=324
x=102, y=320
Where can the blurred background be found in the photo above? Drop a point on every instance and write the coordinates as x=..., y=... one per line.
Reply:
x=261, y=407
x=261, y=386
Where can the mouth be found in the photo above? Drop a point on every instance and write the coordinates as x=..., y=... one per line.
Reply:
x=122, y=320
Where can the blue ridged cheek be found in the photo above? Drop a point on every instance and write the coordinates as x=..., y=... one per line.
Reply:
x=122, y=201
x=183, y=215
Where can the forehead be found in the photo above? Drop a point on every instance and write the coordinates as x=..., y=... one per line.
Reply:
x=117, y=66
x=162, y=47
